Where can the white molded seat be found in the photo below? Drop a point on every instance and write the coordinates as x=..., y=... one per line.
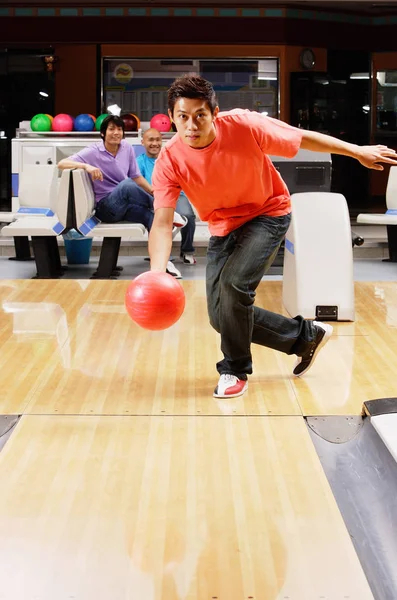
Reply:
x=390, y=216
x=29, y=225
x=37, y=193
x=318, y=258
x=89, y=226
x=377, y=219
x=7, y=217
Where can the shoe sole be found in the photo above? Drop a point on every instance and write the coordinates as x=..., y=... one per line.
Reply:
x=328, y=332
x=245, y=388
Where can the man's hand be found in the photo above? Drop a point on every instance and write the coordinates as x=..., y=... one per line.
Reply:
x=371, y=156
x=94, y=172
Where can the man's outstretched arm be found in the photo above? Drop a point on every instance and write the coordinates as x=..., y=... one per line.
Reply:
x=369, y=156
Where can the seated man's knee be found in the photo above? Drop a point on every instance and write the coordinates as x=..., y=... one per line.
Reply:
x=137, y=194
x=126, y=184
x=126, y=188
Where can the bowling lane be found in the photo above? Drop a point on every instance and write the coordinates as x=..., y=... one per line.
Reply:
x=353, y=368
x=165, y=508
x=117, y=367
x=76, y=351
x=34, y=333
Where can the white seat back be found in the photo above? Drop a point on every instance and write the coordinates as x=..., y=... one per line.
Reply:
x=62, y=201
x=318, y=258
x=84, y=198
x=38, y=187
x=391, y=190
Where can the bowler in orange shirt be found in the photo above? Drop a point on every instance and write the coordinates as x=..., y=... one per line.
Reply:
x=221, y=161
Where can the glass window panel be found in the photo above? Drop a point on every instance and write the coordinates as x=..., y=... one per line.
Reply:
x=141, y=85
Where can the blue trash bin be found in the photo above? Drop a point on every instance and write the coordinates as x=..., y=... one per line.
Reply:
x=78, y=251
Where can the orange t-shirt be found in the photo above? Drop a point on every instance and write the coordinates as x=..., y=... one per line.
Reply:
x=232, y=180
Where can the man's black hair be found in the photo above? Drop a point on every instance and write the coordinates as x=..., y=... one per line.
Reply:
x=118, y=121
x=192, y=86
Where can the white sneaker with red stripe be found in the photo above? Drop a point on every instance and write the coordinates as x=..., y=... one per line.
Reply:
x=230, y=386
x=179, y=220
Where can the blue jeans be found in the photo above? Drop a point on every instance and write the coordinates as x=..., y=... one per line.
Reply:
x=127, y=202
x=185, y=209
x=236, y=264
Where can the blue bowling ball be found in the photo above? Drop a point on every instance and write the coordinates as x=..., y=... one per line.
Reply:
x=84, y=123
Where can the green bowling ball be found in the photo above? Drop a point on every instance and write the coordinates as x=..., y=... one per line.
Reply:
x=40, y=122
x=99, y=120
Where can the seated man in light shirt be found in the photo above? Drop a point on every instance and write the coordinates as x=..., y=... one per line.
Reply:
x=152, y=141
x=121, y=193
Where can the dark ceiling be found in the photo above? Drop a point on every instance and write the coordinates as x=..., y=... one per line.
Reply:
x=366, y=7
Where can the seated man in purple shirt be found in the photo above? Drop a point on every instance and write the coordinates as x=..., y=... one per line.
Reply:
x=121, y=193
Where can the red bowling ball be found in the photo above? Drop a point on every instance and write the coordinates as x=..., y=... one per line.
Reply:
x=161, y=123
x=62, y=122
x=131, y=122
x=155, y=300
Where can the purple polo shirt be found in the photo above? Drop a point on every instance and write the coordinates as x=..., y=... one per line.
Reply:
x=114, y=168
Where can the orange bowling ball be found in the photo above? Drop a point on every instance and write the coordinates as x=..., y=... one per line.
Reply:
x=155, y=300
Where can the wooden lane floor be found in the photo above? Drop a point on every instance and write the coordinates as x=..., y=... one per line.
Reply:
x=34, y=333
x=359, y=362
x=118, y=368
x=170, y=508
x=76, y=351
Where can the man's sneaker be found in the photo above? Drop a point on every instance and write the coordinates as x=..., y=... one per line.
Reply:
x=323, y=333
x=172, y=270
x=179, y=220
x=230, y=386
x=188, y=259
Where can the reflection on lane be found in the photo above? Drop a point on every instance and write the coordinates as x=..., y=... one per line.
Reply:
x=41, y=320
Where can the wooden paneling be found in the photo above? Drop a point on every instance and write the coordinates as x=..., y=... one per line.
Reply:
x=76, y=79
x=384, y=60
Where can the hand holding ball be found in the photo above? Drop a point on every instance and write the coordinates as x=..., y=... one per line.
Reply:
x=155, y=300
